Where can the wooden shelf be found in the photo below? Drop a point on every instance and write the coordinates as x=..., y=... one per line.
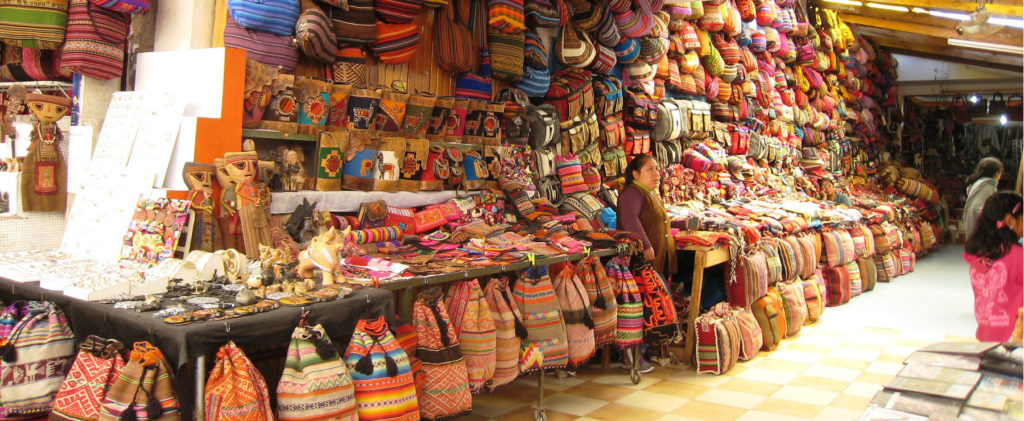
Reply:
x=273, y=134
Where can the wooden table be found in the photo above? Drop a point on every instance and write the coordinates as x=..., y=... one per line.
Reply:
x=704, y=257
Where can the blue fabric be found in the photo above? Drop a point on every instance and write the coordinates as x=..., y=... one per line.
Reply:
x=608, y=217
x=535, y=83
x=273, y=16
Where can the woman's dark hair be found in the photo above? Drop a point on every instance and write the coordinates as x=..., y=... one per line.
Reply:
x=987, y=167
x=638, y=162
x=991, y=240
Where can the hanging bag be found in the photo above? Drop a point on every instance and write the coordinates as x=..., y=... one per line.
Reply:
x=41, y=339
x=509, y=332
x=315, y=381
x=601, y=293
x=96, y=366
x=38, y=24
x=546, y=345
x=661, y=325
x=381, y=373
x=574, y=304
x=629, y=304
x=272, y=16
x=454, y=42
x=474, y=325
x=95, y=41
x=145, y=386
x=445, y=392
x=236, y=391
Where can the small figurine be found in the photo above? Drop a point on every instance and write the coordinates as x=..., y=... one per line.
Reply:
x=230, y=226
x=325, y=252
x=252, y=208
x=199, y=178
x=294, y=172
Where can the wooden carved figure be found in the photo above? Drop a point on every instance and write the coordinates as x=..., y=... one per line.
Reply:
x=199, y=178
x=230, y=226
x=44, y=179
x=12, y=104
x=294, y=177
x=252, y=209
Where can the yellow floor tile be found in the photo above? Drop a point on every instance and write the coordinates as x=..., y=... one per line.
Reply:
x=652, y=401
x=706, y=380
x=730, y=398
x=912, y=343
x=517, y=392
x=791, y=408
x=674, y=388
x=832, y=413
x=767, y=416
x=856, y=403
x=708, y=411
x=787, y=366
x=473, y=417
x=880, y=331
x=768, y=375
x=844, y=362
x=820, y=383
x=892, y=358
x=867, y=346
x=618, y=412
x=874, y=378
x=750, y=386
x=527, y=414
x=573, y=404
x=804, y=346
x=599, y=391
x=862, y=389
x=491, y=406
x=804, y=394
x=955, y=338
x=622, y=380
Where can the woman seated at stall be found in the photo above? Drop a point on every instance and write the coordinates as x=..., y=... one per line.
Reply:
x=996, y=261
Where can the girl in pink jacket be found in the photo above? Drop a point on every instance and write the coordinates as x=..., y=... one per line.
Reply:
x=996, y=260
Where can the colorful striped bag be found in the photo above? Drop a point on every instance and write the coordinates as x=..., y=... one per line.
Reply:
x=38, y=24
x=445, y=391
x=315, y=383
x=751, y=281
x=546, y=345
x=885, y=267
x=94, y=45
x=42, y=339
x=396, y=42
x=718, y=340
x=750, y=332
x=661, y=324
x=315, y=33
x=270, y=16
x=575, y=306
x=96, y=366
x=381, y=374
x=837, y=281
x=509, y=332
x=868, y=273
x=236, y=390
x=771, y=318
x=145, y=386
x=811, y=258
x=813, y=300
x=267, y=48
x=474, y=325
x=629, y=304
x=794, y=305
x=602, y=299
x=856, y=285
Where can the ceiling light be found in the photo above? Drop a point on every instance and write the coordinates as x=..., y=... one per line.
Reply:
x=846, y=2
x=1016, y=23
x=973, y=99
x=919, y=10
x=949, y=15
x=1000, y=48
x=888, y=7
x=1003, y=120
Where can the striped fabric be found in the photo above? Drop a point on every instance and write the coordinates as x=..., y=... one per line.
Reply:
x=146, y=370
x=43, y=346
x=236, y=390
x=837, y=281
x=396, y=42
x=125, y=6
x=907, y=258
x=39, y=24
x=266, y=48
x=475, y=327
x=794, y=305
x=506, y=16
x=315, y=33
x=506, y=54
x=445, y=393
x=813, y=300
x=571, y=174
x=714, y=344
x=397, y=11
x=314, y=385
x=542, y=319
x=356, y=24
x=601, y=294
x=868, y=273
x=376, y=235
x=771, y=318
x=507, y=326
x=629, y=305
x=575, y=306
x=750, y=332
x=381, y=374
x=86, y=384
x=856, y=285
x=94, y=45
x=272, y=16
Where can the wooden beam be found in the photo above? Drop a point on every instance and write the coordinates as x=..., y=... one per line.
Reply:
x=929, y=30
x=915, y=18
x=947, y=53
x=1010, y=8
x=882, y=34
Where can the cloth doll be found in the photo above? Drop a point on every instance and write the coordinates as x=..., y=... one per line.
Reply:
x=44, y=180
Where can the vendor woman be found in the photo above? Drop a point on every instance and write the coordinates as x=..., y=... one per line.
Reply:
x=641, y=212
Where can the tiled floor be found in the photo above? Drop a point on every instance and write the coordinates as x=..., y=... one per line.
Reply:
x=829, y=372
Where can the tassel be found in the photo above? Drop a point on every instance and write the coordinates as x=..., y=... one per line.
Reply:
x=599, y=302
x=10, y=353
x=365, y=365
x=587, y=320
x=391, y=365
x=153, y=408
x=325, y=350
x=129, y=414
x=442, y=325
x=521, y=330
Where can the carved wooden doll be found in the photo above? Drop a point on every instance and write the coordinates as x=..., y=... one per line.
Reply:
x=230, y=228
x=242, y=167
x=199, y=178
x=44, y=178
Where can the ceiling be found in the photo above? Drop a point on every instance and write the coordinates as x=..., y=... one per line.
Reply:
x=925, y=35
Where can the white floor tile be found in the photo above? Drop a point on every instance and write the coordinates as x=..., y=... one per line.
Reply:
x=767, y=416
x=838, y=414
x=884, y=367
x=622, y=380
x=854, y=354
x=827, y=371
x=730, y=398
x=768, y=376
x=707, y=380
x=805, y=395
x=653, y=401
x=796, y=356
x=863, y=389
x=900, y=350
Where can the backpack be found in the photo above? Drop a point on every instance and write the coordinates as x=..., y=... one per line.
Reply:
x=794, y=304
x=773, y=261
x=474, y=325
x=607, y=95
x=719, y=341
x=313, y=368
x=602, y=299
x=837, y=282
x=641, y=109
x=42, y=339
x=515, y=126
x=571, y=93
x=544, y=125
x=790, y=259
x=376, y=362
x=660, y=319
x=750, y=331
x=509, y=332
x=574, y=303
x=629, y=305
x=546, y=345
x=771, y=318
x=810, y=260
x=445, y=391
x=668, y=123
x=813, y=300
x=454, y=41
x=751, y=280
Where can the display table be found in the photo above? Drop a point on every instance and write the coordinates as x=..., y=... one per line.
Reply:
x=704, y=257
x=188, y=346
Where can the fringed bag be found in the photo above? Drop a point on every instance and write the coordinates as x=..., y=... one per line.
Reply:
x=575, y=306
x=602, y=299
x=42, y=339
x=445, y=388
x=315, y=382
x=750, y=332
x=144, y=390
x=474, y=325
x=629, y=304
x=718, y=340
x=509, y=332
x=661, y=324
x=236, y=389
x=546, y=345
x=380, y=370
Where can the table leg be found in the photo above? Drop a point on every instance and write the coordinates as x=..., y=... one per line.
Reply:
x=699, y=261
x=200, y=405
x=405, y=301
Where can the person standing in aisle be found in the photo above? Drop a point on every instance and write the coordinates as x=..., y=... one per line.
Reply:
x=996, y=266
x=981, y=184
x=641, y=211
x=828, y=192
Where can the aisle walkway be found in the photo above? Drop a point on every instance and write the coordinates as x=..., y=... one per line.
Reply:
x=828, y=372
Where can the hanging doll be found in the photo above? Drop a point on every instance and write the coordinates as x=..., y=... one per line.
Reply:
x=44, y=179
x=199, y=178
x=242, y=167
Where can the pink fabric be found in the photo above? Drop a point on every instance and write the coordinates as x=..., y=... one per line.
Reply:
x=998, y=293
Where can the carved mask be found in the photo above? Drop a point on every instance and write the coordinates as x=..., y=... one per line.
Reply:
x=199, y=177
x=223, y=178
x=241, y=166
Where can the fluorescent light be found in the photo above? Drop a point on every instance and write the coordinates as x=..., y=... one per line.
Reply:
x=846, y=2
x=1016, y=23
x=919, y=10
x=949, y=15
x=1001, y=48
x=888, y=7
x=973, y=99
